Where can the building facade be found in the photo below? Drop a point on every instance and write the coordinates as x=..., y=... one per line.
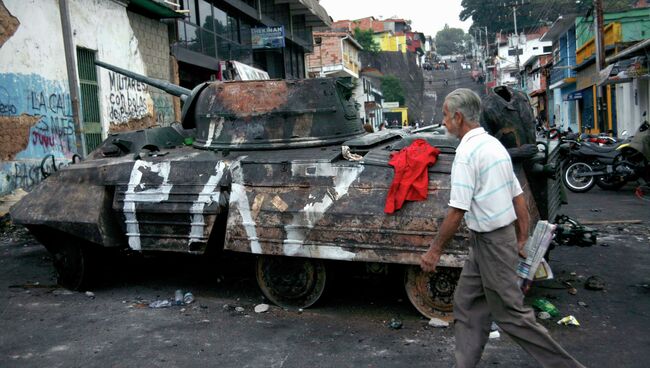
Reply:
x=513, y=51
x=39, y=116
x=599, y=113
x=536, y=70
x=335, y=54
x=563, y=111
x=270, y=35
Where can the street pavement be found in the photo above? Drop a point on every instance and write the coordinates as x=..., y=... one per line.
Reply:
x=44, y=325
x=435, y=88
x=112, y=326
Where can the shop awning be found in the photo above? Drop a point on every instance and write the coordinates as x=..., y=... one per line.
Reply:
x=153, y=9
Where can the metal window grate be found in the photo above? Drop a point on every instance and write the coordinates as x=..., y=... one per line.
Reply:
x=92, y=127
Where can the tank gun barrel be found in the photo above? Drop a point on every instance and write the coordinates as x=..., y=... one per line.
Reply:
x=168, y=87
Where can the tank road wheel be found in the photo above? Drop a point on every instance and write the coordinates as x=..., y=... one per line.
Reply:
x=291, y=282
x=431, y=293
x=73, y=264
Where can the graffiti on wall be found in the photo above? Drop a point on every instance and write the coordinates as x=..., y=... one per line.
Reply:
x=36, y=115
x=127, y=99
x=164, y=109
x=55, y=129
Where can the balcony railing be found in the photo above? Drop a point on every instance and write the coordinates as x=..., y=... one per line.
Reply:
x=562, y=69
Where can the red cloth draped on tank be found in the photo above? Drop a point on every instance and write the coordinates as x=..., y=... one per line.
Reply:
x=411, y=179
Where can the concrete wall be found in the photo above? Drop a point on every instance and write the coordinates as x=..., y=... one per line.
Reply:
x=153, y=45
x=405, y=68
x=632, y=100
x=326, y=54
x=35, y=107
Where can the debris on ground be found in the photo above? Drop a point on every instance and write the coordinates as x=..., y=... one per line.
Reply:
x=573, y=291
x=438, y=323
x=594, y=283
x=164, y=303
x=188, y=298
x=543, y=315
x=395, y=324
x=546, y=306
x=495, y=335
x=262, y=308
x=178, y=297
x=90, y=294
x=239, y=309
x=568, y=320
x=62, y=292
x=583, y=304
x=7, y=201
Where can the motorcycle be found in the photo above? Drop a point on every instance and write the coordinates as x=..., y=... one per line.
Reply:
x=610, y=167
x=635, y=155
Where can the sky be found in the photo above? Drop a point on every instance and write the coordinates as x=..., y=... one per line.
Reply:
x=428, y=16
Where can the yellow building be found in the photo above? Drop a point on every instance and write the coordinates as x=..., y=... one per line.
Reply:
x=388, y=41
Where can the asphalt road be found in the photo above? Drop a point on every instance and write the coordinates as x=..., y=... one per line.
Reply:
x=44, y=325
x=435, y=88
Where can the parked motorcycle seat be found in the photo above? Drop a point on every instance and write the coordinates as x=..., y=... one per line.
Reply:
x=599, y=149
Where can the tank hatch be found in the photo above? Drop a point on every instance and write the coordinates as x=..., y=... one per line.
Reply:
x=272, y=114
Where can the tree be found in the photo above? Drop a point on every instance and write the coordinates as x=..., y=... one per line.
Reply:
x=366, y=40
x=532, y=15
x=392, y=89
x=451, y=41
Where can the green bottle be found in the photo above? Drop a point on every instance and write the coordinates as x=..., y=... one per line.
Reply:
x=546, y=306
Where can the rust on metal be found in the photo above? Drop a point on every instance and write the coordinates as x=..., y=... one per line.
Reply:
x=252, y=98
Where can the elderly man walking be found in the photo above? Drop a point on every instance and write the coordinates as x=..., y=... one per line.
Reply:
x=485, y=191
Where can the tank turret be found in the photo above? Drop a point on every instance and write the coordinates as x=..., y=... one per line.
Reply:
x=264, y=114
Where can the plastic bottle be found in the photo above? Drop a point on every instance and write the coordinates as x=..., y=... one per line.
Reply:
x=546, y=306
x=178, y=297
x=188, y=298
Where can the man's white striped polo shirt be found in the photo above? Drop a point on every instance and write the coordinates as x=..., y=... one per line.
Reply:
x=483, y=182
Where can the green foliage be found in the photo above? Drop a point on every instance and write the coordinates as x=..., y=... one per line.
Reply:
x=366, y=40
x=451, y=41
x=392, y=89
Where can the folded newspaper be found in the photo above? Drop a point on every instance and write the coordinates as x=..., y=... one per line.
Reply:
x=535, y=267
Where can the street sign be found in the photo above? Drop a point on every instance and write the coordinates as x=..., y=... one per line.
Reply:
x=390, y=105
x=267, y=37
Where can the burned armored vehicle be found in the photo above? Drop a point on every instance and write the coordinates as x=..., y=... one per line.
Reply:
x=259, y=168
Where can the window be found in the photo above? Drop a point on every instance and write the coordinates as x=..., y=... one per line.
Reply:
x=92, y=127
x=205, y=15
x=547, y=49
x=513, y=52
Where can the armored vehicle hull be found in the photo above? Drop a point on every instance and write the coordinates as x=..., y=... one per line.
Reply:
x=283, y=192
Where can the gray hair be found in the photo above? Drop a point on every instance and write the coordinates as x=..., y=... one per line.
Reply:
x=466, y=102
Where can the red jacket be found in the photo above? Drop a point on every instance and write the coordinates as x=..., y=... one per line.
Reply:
x=411, y=179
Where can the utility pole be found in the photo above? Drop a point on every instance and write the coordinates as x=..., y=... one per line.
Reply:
x=487, y=54
x=598, y=31
x=73, y=82
x=600, y=59
x=514, y=6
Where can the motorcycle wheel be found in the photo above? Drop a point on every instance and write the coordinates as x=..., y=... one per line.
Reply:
x=578, y=184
